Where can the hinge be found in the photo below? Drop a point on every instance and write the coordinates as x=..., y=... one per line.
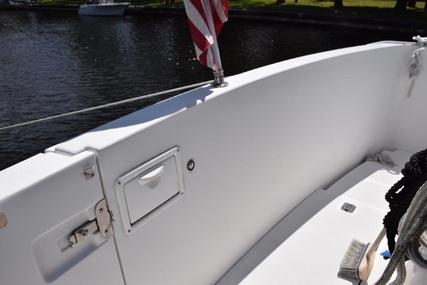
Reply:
x=101, y=224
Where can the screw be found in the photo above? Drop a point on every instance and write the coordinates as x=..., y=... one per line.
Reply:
x=89, y=172
x=191, y=164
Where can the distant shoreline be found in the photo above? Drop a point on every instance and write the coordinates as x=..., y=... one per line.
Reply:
x=320, y=16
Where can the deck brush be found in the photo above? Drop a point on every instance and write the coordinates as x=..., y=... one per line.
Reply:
x=359, y=259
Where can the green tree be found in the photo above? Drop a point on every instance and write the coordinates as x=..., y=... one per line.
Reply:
x=401, y=5
x=338, y=4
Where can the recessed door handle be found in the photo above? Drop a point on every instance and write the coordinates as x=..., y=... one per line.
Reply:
x=152, y=175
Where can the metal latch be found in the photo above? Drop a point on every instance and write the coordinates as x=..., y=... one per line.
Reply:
x=101, y=224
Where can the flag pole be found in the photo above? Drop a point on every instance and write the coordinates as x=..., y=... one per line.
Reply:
x=218, y=72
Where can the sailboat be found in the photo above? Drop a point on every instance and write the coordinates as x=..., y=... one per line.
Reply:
x=264, y=180
x=103, y=8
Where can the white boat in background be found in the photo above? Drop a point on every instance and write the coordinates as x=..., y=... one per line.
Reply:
x=264, y=181
x=103, y=8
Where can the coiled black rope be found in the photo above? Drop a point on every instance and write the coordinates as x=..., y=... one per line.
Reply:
x=410, y=229
x=402, y=192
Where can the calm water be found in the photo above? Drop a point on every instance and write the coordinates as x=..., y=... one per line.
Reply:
x=52, y=63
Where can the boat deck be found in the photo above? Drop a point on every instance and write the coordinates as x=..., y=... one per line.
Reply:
x=309, y=243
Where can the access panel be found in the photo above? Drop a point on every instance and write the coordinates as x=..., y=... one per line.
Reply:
x=149, y=189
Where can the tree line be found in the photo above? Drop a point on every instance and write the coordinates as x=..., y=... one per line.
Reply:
x=399, y=6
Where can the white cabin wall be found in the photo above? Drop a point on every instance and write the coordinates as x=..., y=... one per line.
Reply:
x=261, y=146
x=410, y=115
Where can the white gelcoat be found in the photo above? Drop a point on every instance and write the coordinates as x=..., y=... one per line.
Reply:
x=261, y=146
x=45, y=198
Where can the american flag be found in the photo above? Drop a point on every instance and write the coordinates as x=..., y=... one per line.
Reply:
x=206, y=18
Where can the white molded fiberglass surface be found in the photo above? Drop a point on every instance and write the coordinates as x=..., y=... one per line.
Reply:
x=312, y=254
x=260, y=147
x=52, y=199
x=410, y=116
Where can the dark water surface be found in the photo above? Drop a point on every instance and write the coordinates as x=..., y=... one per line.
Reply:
x=52, y=63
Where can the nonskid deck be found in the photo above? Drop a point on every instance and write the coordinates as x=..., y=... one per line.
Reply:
x=306, y=246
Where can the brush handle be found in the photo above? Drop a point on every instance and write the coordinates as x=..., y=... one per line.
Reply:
x=376, y=243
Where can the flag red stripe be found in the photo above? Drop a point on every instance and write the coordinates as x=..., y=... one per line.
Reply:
x=217, y=21
x=201, y=10
x=200, y=39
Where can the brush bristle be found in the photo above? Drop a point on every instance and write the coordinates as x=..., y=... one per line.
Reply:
x=350, y=263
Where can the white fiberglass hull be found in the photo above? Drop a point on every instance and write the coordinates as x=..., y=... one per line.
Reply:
x=107, y=9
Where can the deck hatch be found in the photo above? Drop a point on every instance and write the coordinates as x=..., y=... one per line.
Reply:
x=149, y=189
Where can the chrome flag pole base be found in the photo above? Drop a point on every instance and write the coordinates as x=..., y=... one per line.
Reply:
x=219, y=79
